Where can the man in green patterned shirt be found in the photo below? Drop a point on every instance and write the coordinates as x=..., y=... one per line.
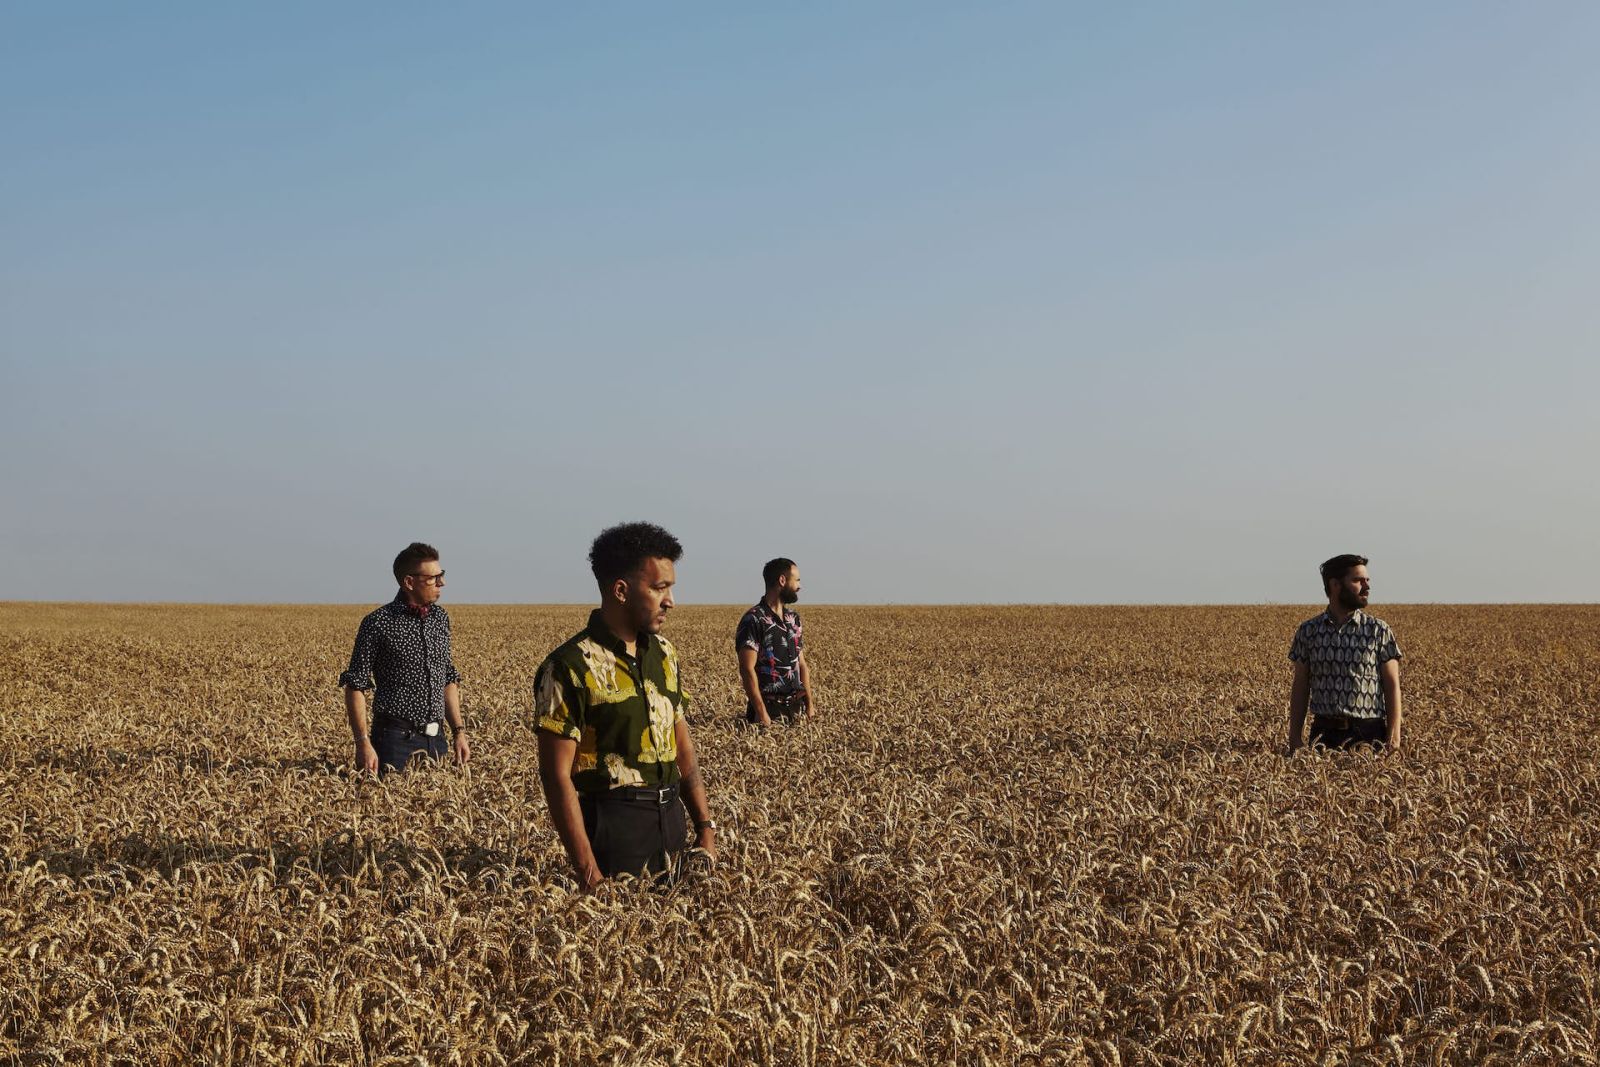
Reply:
x=615, y=754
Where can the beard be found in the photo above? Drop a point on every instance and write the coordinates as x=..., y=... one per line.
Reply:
x=788, y=596
x=1350, y=600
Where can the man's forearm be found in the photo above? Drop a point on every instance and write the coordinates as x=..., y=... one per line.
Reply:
x=567, y=815
x=452, y=708
x=1395, y=715
x=1297, y=718
x=355, y=709
x=691, y=787
x=752, y=690
x=694, y=794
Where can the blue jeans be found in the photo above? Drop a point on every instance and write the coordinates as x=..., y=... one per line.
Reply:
x=397, y=745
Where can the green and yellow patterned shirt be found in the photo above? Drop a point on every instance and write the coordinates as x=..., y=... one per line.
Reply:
x=621, y=711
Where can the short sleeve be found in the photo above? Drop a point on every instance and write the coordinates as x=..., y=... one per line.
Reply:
x=556, y=709
x=1298, y=652
x=681, y=708
x=358, y=675
x=1387, y=648
x=748, y=634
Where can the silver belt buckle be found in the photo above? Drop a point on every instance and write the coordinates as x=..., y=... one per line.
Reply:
x=432, y=729
x=661, y=794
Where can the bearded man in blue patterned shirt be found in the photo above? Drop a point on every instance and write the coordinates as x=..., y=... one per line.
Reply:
x=1346, y=667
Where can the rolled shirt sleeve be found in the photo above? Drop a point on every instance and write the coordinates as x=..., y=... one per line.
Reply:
x=557, y=708
x=1388, y=649
x=451, y=675
x=1298, y=650
x=359, y=674
x=748, y=635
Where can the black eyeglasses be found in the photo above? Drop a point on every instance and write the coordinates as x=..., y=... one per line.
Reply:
x=427, y=578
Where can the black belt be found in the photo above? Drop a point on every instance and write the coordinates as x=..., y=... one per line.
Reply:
x=783, y=698
x=382, y=719
x=663, y=795
x=1345, y=722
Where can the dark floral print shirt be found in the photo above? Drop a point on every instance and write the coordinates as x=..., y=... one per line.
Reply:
x=778, y=643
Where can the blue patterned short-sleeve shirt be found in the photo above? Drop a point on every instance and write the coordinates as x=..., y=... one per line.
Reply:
x=1344, y=661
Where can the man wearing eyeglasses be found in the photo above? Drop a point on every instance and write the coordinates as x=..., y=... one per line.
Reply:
x=403, y=650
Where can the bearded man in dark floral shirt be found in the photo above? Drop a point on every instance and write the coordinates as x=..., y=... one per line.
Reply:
x=770, y=644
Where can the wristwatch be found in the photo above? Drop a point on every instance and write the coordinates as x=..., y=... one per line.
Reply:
x=709, y=824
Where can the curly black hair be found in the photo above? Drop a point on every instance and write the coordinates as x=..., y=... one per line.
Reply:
x=621, y=550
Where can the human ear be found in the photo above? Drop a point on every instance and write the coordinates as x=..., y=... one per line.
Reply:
x=619, y=589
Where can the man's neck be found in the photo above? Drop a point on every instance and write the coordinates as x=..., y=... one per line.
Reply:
x=774, y=603
x=1340, y=614
x=411, y=601
x=621, y=628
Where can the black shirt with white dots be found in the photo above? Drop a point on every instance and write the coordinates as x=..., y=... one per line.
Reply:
x=407, y=653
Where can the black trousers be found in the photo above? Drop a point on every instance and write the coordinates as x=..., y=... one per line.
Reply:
x=635, y=831
x=1331, y=733
x=398, y=743
x=786, y=709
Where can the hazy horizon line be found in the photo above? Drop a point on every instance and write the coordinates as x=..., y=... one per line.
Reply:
x=816, y=604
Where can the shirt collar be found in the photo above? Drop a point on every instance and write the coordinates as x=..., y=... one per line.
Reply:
x=401, y=606
x=782, y=614
x=601, y=634
x=1358, y=617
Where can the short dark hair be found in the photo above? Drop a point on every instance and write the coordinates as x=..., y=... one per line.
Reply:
x=1336, y=568
x=775, y=569
x=411, y=555
x=621, y=550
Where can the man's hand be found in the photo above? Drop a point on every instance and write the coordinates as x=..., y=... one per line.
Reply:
x=706, y=841
x=590, y=878
x=765, y=719
x=366, y=756
x=463, y=750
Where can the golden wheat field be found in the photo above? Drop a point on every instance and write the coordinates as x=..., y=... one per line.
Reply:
x=1014, y=836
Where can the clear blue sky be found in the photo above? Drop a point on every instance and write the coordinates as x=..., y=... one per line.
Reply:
x=950, y=303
